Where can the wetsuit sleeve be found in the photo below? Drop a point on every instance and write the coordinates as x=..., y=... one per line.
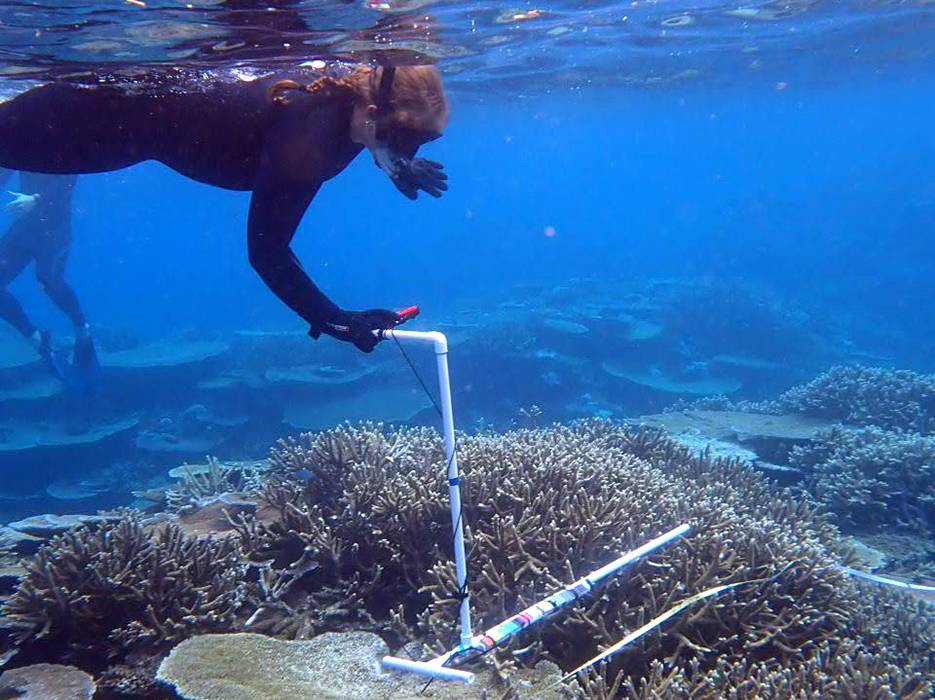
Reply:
x=276, y=209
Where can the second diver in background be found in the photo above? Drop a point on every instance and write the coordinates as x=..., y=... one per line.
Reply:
x=41, y=234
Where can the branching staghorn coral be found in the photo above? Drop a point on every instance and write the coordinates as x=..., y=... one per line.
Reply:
x=119, y=587
x=858, y=396
x=196, y=487
x=543, y=507
x=835, y=671
x=356, y=527
x=871, y=477
x=895, y=399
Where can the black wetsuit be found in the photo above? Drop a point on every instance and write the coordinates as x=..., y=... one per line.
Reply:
x=41, y=235
x=216, y=127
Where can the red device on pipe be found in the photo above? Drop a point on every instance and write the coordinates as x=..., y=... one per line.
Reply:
x=407, y=314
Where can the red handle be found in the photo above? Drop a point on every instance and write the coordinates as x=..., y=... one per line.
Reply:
x=407, y=314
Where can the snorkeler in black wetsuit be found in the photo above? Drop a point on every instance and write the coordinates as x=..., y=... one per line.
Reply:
x=280, y=136
x=42, y=234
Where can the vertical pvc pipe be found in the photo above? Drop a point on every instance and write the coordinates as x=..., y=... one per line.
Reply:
x=440, y=343
x=454, y=487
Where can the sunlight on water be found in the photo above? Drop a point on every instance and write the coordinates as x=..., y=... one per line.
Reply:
x=556, y=45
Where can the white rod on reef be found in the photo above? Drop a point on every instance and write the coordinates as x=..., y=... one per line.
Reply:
x=428, y=669
x=637, y=553
x=440, y=343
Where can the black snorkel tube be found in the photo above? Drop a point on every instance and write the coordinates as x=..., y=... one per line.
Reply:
x=390, y=162
x=408, y=174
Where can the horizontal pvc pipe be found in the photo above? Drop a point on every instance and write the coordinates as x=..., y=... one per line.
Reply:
x=637, y=553
x=428, y=669
x=434, y=337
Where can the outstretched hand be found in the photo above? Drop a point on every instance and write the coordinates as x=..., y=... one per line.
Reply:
x=420, y=174
x=21, y=204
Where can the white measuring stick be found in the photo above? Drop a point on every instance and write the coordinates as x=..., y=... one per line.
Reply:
x=482, y=643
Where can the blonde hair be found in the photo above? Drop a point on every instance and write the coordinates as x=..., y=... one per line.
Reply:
x=417, y=98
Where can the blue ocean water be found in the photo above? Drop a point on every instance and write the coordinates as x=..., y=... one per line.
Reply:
x=660, y=212
x=755, y=180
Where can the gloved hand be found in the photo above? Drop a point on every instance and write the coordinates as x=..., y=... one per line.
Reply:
x=358, y=327
x=21, y=204
x=419, y=174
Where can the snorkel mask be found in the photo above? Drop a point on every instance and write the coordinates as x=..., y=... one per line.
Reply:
x=394, y=150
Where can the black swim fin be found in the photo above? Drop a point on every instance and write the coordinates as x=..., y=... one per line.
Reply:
x=82, y=374
x=54, y=361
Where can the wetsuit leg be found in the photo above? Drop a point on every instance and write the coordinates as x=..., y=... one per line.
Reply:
x=61, y=128
x=50, y=273
x=15, y=255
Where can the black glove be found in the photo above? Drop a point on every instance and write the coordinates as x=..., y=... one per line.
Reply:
x=419, y=174
x=357, y=327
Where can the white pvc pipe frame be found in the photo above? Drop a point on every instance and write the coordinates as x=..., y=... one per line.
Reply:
x=440, y=344
x=436, y=668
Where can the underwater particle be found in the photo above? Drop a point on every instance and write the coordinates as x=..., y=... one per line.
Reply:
x=678, y=21
x=549, y=232
x=782, y=85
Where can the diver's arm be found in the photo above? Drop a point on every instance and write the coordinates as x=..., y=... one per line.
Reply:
x=276, y=209
x=275, y=212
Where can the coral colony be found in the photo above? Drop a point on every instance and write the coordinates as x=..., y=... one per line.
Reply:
x=805, y=567
x=349, y=529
